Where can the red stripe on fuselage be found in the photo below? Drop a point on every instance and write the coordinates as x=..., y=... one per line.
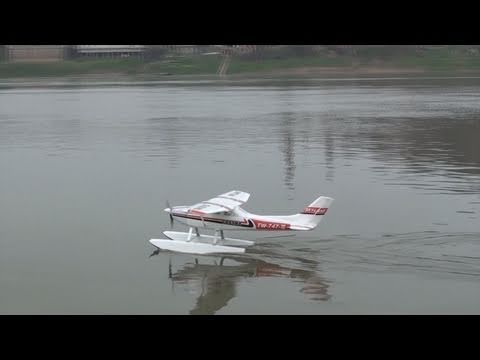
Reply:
x=196, y=217
x=244, y=223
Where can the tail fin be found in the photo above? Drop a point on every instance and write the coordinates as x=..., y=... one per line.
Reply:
x=311, y=216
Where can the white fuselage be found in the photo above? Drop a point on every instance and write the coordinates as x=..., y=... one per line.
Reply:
x=237, y=219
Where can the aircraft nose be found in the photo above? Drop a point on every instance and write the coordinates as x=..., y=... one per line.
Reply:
x=167, y=210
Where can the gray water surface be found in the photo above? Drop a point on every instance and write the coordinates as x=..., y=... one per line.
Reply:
x=85, y=172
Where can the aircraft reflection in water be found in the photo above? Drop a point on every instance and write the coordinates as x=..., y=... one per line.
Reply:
x=214, y=279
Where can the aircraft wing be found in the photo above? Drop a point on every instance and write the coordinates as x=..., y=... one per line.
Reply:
x=221, y=203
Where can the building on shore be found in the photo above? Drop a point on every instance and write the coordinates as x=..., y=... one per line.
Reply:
x=109, y=51
x=200, y=49
x=182, y=49
x=34, y=53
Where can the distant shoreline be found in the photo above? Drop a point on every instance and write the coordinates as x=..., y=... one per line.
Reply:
x=297, y=75
x=200, y=67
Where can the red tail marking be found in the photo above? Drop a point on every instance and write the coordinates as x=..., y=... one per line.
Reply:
x=314, y=210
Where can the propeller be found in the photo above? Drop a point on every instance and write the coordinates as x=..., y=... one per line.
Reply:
x=170, y=214
x=156, y=252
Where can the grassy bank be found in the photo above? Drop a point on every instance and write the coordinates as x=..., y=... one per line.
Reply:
x=189, y=65
x=441, y=60
x=438, y=60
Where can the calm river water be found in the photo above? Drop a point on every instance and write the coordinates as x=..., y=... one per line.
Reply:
x=86, y=169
